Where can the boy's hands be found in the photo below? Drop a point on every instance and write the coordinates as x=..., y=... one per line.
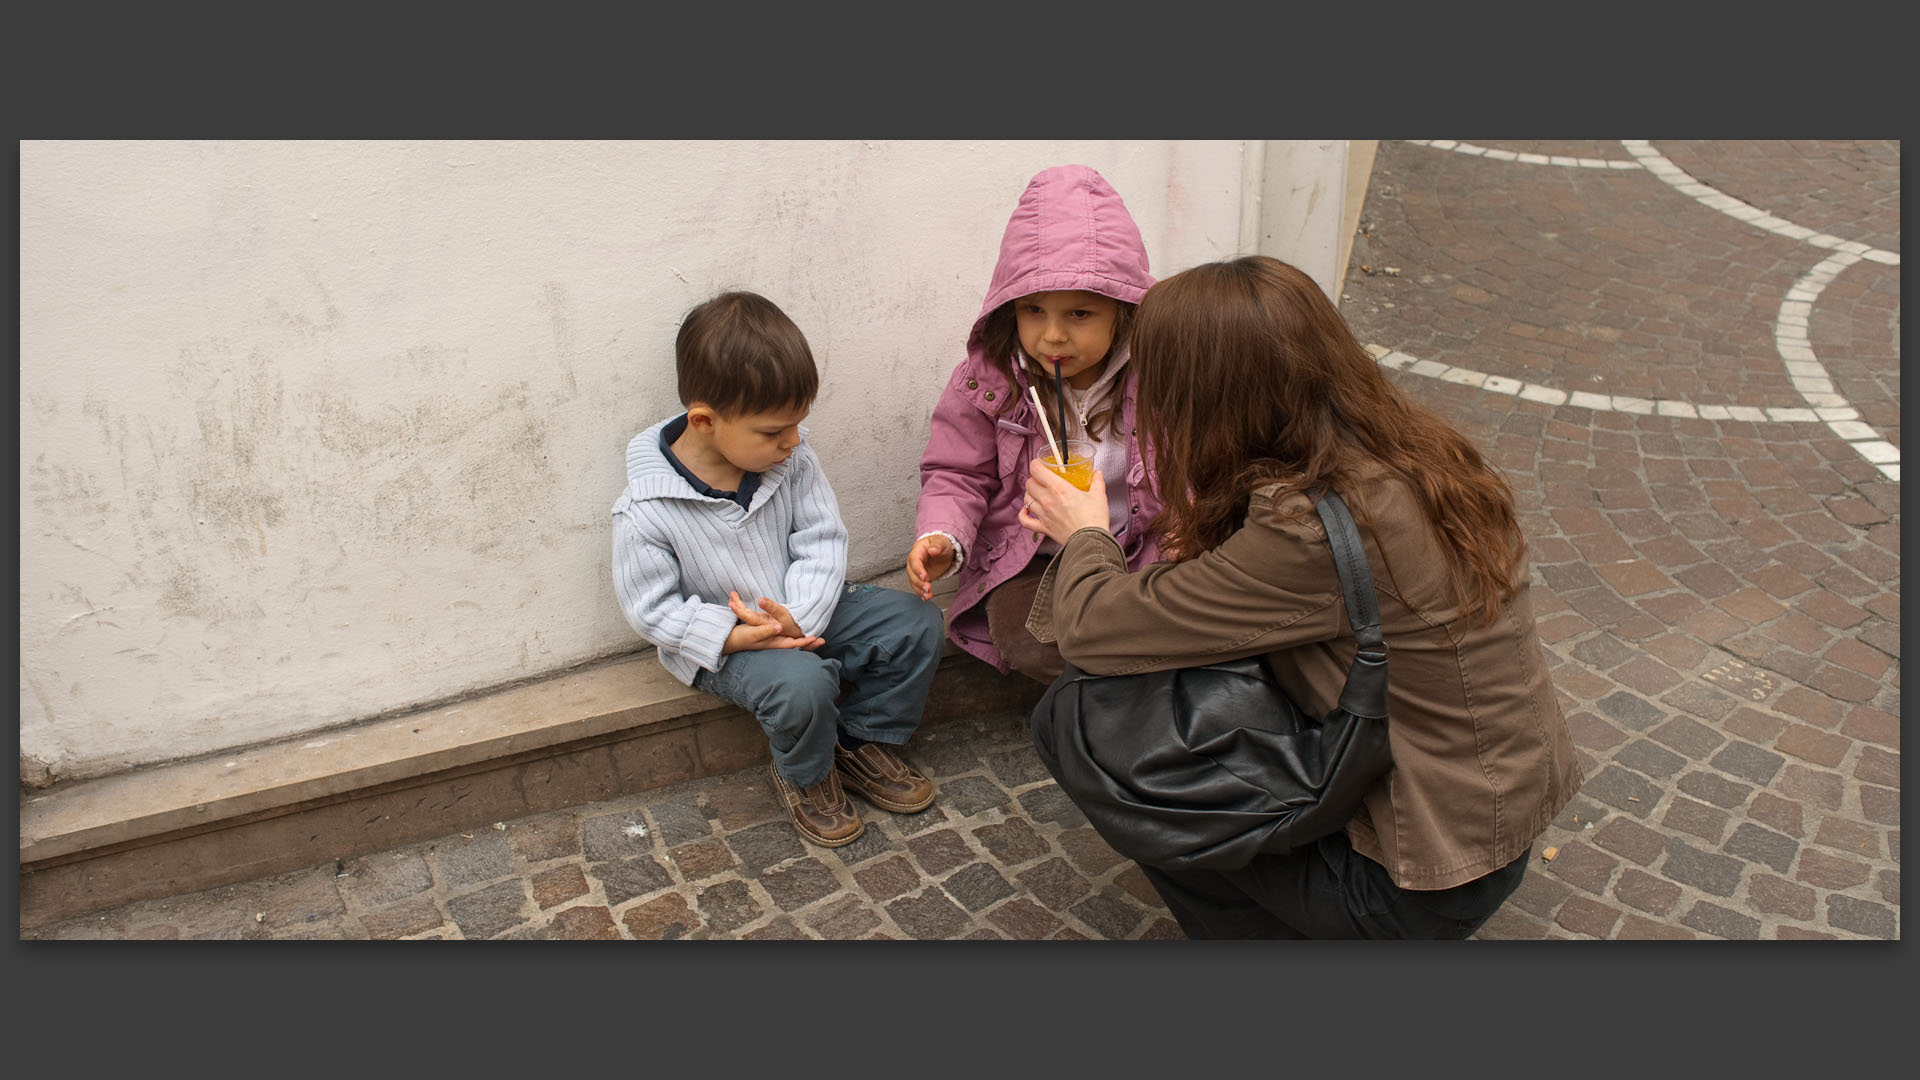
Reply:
x=931, y=557
x=785, y=618
x=770, y=627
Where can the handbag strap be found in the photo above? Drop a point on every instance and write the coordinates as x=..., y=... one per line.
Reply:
x=1356, y=579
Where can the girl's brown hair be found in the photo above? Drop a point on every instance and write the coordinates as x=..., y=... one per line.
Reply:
x=1248, y=375
x=1000, y=341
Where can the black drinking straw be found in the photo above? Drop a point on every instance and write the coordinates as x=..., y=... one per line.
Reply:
x=1060, y=406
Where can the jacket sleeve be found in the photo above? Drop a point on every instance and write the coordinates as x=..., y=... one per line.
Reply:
x=1270, y=586
x=646, y=580
x=960, y=471
x=817, y=545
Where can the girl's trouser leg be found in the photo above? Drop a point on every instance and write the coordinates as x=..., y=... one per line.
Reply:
x=1007, y=608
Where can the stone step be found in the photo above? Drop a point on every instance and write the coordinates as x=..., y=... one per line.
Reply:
x=609, y=729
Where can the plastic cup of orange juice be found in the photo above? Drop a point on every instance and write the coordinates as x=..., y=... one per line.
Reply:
x=1078, y=469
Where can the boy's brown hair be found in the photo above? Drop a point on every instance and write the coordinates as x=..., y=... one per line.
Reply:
x=739, y=353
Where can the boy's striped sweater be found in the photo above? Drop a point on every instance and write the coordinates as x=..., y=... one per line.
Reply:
x=677, y=553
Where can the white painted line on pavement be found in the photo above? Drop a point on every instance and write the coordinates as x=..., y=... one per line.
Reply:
x=1840, y=420
x=1651, y=160
x=1810, y=377
x=1656, y=163
x=1525, y=159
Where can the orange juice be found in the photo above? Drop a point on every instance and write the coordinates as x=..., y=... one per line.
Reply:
x=1078, y=470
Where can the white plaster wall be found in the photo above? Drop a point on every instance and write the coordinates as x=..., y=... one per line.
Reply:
x=312, y=432
x=1303, y=200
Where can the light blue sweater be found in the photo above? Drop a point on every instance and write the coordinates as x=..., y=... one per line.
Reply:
x=677, y=553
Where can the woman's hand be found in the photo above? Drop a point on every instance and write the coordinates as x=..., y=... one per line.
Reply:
x=931, y=557
x=1059, y=509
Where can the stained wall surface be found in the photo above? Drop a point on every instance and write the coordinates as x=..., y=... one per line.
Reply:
x=313, y=431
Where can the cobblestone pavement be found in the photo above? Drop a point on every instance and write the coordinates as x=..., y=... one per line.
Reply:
x=1686, y=358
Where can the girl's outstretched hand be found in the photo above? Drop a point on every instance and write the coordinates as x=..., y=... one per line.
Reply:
x=1059, y=509
x=932, y=556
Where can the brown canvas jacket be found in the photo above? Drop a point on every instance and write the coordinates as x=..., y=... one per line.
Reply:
x=1482, y=757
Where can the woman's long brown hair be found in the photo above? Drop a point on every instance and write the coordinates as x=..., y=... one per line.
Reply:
x=1249, y=375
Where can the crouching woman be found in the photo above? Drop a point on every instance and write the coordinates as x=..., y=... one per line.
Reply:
x=1253, y=396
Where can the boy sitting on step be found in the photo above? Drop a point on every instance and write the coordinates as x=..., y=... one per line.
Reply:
x=729, y=556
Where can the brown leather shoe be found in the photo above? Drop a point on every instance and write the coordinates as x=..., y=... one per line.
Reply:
x=878, y=774
x=822, y=812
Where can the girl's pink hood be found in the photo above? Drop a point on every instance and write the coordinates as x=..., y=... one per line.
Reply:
x=1069, y=231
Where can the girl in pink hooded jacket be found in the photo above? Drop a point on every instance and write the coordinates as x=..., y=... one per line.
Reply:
x=1072, y=267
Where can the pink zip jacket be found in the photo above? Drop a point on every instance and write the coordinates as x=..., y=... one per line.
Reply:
x=1069, y=231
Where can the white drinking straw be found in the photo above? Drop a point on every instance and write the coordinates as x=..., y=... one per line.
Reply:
x=1046, y=427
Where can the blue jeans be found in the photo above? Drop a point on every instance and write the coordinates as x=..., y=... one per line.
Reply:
x=883, y=643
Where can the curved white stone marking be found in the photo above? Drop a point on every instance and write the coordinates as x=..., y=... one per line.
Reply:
x=1657, y=164
x=1810, y=378
x=1526, y=159
x=1842, y=419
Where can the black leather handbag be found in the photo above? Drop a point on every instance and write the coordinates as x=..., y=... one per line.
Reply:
x=1204, y=768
